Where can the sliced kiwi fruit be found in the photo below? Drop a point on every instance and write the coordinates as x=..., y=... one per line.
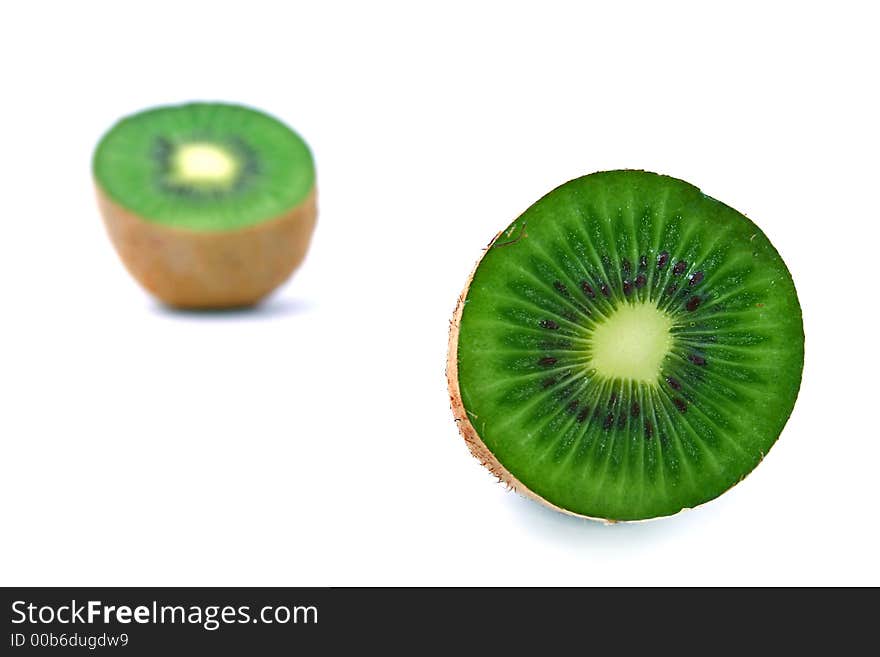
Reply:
x=210, y=205
x=627, y=348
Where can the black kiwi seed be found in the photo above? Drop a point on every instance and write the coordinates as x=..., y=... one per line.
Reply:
x=675, y=385
x=547, y=361
x=549, y=324
x=696, y=277
x=588, y=290
x=680, y=404
x=697, y=360
x=693, y=303
x=679, y=268
x=662, y=260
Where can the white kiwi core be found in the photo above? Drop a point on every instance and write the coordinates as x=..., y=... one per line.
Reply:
x=631, y=343
x=203, y=163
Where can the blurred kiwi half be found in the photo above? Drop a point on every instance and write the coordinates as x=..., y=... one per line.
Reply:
x=209, y=205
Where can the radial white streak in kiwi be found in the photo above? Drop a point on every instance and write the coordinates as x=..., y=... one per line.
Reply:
x=632, y=343
x=204, y=163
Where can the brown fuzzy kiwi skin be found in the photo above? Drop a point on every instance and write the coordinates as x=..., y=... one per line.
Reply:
x=472, y=438
x=210, y=269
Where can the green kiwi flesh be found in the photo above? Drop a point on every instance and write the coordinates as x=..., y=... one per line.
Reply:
x=204, y=166
x=627, y=348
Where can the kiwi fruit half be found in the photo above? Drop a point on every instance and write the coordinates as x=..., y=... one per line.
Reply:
x=627, y=348
x=209, y=205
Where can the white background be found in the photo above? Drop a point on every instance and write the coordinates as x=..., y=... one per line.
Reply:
x=310, y=442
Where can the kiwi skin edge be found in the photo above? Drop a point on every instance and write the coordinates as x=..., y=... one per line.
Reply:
x=476, y=445
x=210, y=269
